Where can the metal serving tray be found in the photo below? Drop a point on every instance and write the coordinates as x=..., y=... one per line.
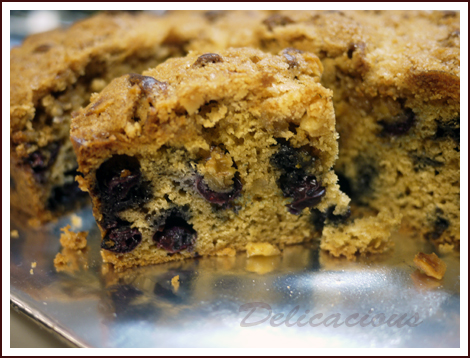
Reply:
x=325, y=302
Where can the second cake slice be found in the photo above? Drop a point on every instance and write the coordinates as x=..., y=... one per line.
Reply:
x=208, y=153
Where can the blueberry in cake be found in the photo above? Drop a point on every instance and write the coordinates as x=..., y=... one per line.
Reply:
x=208, y=152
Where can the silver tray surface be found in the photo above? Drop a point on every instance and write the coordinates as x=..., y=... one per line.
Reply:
x=302, y=298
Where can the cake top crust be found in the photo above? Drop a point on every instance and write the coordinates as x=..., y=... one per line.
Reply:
x=174, y=102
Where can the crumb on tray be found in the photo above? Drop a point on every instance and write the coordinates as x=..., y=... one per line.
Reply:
x=175, y=282
x=73, y=240
x=71, y=260
x=431, y=265
x=14, y=234
x=33, y=264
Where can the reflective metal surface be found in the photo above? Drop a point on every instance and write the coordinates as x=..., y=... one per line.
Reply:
x=327, y=302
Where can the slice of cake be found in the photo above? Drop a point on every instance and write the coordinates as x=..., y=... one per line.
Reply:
x=209, y=152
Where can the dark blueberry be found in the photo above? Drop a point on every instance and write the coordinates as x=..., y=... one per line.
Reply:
x=450, y=129
x=319, y=219
x=307, y=193
x=220, y=199
x=42, y=159
x=206, y=59
x=277, y=20
x=121, y=239
x=147, y=84
x=398, y=125
x=120, y=184
x=294, y=180
x=175, y=235
x=440, y=225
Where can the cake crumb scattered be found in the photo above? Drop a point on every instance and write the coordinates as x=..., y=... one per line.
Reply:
x=76, y=221
x=33, y=264
x=31, y=272
x=71, y=260
x=431, y=265
x=73, y=240
x=14, y=234
x=261, y=249
x=175, y=282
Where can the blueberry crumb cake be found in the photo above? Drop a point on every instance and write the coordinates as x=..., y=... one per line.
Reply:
x=208, y=152
x=395, y=82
